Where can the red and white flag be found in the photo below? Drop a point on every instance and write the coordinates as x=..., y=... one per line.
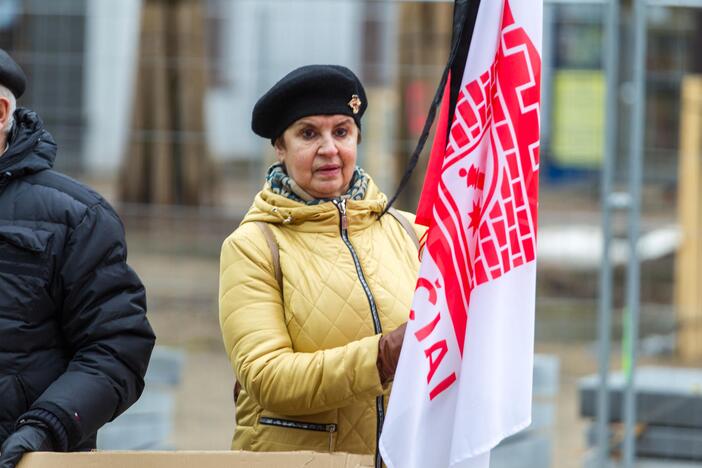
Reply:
x=464, y=380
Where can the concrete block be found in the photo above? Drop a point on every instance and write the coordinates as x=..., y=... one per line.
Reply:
x=165, y=367
x=146, y=425
x=665, y=396
x=546, y=372
x=591, y=462
x=681, y=443
x=533, y=451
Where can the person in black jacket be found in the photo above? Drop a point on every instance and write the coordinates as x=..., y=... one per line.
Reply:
x=74, y=339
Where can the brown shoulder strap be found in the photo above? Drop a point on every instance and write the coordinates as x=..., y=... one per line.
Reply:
x=275, y=254
x=405, y=224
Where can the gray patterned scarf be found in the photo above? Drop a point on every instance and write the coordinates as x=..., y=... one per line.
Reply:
x=282, y=184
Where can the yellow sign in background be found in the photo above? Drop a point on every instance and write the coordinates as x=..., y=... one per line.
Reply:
x=578, y=118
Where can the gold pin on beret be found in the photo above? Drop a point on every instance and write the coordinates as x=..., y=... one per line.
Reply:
x=355, y=103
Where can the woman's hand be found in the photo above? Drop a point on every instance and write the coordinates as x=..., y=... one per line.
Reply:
x=389, y=348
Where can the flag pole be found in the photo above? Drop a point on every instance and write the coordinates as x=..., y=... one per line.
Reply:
x=635, y=177
x=606, y=181
x=462, y=11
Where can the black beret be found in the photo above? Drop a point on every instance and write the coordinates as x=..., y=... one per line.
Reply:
x=11, y=75
x=308, y=90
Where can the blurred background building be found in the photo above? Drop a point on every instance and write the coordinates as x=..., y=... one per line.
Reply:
x=150, y=102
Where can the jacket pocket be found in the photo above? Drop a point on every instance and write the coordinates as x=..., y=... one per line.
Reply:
x=297, y=424
x=329, y=428
x=23, y=251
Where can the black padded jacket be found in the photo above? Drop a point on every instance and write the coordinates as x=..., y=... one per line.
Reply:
x=74, y=338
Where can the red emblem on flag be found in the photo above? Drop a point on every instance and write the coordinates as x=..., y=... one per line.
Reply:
x=464, y=377
x=486, y=225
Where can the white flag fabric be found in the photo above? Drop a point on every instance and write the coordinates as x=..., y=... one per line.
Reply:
x=464, y=378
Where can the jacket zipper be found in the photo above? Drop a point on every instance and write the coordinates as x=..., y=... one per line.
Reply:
x=343, y=227
x=329, y=428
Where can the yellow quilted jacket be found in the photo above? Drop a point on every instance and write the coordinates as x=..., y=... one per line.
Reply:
x=306, y=360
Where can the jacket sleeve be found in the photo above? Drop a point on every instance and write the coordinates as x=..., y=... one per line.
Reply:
x=259, y=346
x=103, y=321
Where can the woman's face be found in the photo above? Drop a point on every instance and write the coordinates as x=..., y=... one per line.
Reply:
x=319, y=153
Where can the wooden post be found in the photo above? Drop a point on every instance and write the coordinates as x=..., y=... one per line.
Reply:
x=424, y=39
x=688, y=272
x=167, y=160
x=196, y=179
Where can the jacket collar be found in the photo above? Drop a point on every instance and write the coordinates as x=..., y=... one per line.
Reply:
x=31, y=148
x=324, y=217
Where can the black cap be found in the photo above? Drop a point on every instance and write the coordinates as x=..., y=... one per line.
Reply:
x=11, y=75
x=308, y=90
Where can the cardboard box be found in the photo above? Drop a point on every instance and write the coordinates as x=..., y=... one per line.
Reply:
x=228, y=459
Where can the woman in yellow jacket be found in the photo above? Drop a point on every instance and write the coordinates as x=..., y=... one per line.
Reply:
x=314, y=278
